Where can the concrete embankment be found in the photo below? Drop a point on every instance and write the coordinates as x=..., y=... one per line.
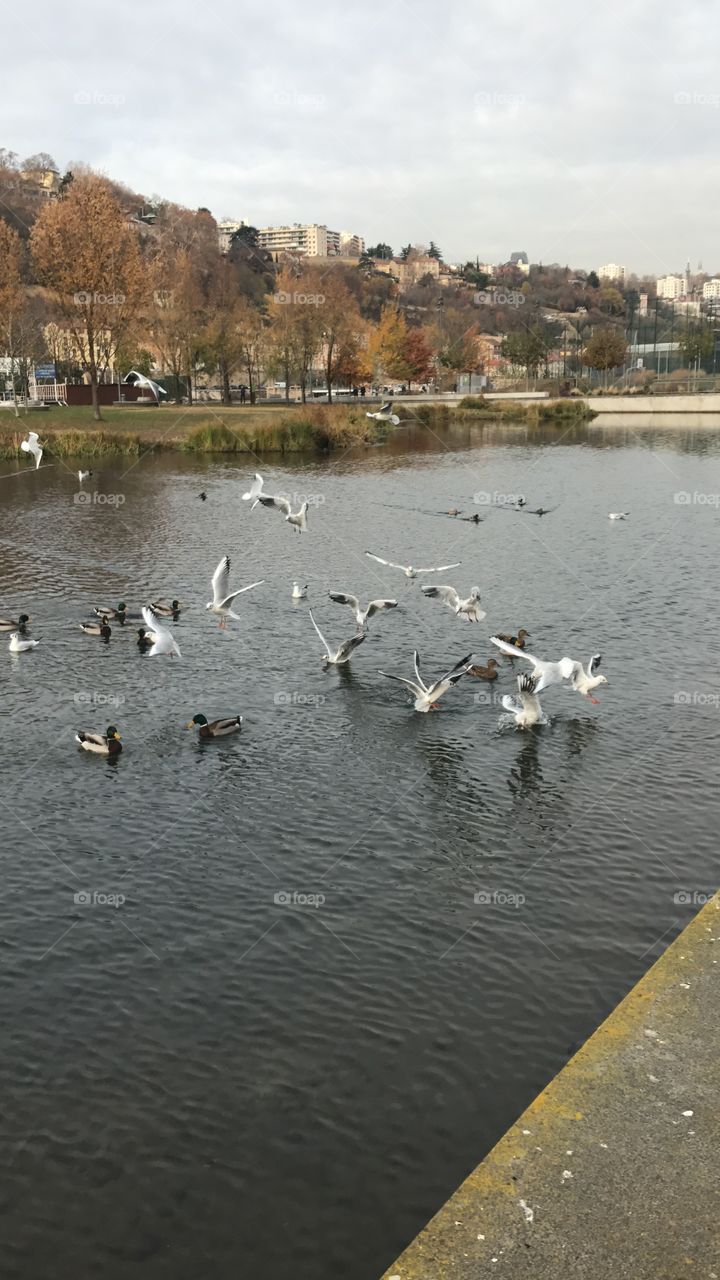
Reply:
x=614, y=1170
x=709, y=403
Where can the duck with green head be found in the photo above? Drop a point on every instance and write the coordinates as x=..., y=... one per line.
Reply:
x=6, y=624
x=214, y=728
x=101, y=744
x=164, y=610
x=119, y=615
x=101, y=628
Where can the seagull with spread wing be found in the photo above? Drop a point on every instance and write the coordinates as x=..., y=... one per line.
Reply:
x=253, y=494
x=338, y=657
x=543, y=673
x=408, y=569
x=426, y=697
x=164, y=642
x=31, y=446
x=526, y=707
x=222, y=596
x=584, y=679
x=468, y=609
x=362, y=615
x=385, y=414
x=298, y=519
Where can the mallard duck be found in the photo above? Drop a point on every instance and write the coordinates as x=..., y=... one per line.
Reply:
x=6, y=624
x=17, y=645
x=145, y=638
x=119, y=615
x=215, y=728
x=102, y=744
x=518, y=641
x=164, y=610
x=100, y=628
x=490, y=672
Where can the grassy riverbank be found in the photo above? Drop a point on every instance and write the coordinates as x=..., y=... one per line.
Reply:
x=72, y=432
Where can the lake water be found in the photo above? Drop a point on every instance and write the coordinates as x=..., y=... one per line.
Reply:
x=208, y=1081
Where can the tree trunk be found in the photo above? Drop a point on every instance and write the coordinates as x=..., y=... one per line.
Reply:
x=94, y=392
x=226, y=397
x=287, y=380
x=328, y=372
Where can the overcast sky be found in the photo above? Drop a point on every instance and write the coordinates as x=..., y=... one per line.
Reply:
x=581, y=132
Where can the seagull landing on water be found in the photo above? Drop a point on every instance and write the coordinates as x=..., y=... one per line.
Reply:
x=222, y=597
x=526, y=708
x=426, y=697
x=83, y=475
x=164, y=642
x=362, y=615
x=468, y=609
x=338, y=657
x=408, y=569
x=31, y=446
x=385, y=414
x=618, y=515
x=253, y=493
x=584, y=679
x=298, y=519
x=543, y=673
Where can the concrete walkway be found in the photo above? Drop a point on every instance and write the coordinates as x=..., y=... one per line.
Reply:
x=613, y=1172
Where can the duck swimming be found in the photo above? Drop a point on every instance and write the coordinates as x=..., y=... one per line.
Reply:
x=100, y=628
x=214, y=728
x=490, y=672
x=102, y=744
x=518, y=641
x=6, y=624
x=164, y=610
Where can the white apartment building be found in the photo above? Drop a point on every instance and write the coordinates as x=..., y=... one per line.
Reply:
x=711, y=288
x=612, y=271
x=672, y=286
x=311, y=239
x=226, y=231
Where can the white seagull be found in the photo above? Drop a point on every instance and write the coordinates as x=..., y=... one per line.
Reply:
x=469, y=609
x=426, y=697
x=298, y=592
x=618, y=515
x=83, y=475
x=362, y=615
x=31, y=446
x=338, y=657
x=543, y=673
x=253, y=493
x=584, y=679
x=17, y=645
x=526, y=709
x=385, y=414
x=298, y=519
x=164, y=641
x=408, y=569
x=222, y=598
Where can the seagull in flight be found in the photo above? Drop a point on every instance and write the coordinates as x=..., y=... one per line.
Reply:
x=408, y=569
x=543, y=673
x=164, y=642
x=426, y=697
x=253, y=493
x=298, y=519
x=584, y=679
x=385, y=414
x=31, y=446
x=338, y=657
x=526, y=707
x=222, y=596
x=362, y=615
x=468, y=609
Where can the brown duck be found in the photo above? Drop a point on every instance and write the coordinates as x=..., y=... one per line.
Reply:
x=518, y=641
x=485, y=673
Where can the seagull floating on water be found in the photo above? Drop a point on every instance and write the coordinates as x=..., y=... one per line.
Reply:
x=426, y=697
x=83, y=475
x=338, y=657
x=361, y=615
x=618, y=515
x=408, y=569
x=31, y=446
x=298, y=592
x=222, y=598
x=544, y=673
x=469, y=609
x=253, y=493
x=526, y=708
x=298, y=519
x=18, y=645
x=385, y=414
x=164, y=642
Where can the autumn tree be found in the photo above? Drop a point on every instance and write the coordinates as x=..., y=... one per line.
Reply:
x=12, y=297
x=697, y=346
x=387, y=344
x=527, y=348
x=85, y=252
x=176, y=316
x=418, y=356
x=341, y=322
x=605, y=350
x=252, y=338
